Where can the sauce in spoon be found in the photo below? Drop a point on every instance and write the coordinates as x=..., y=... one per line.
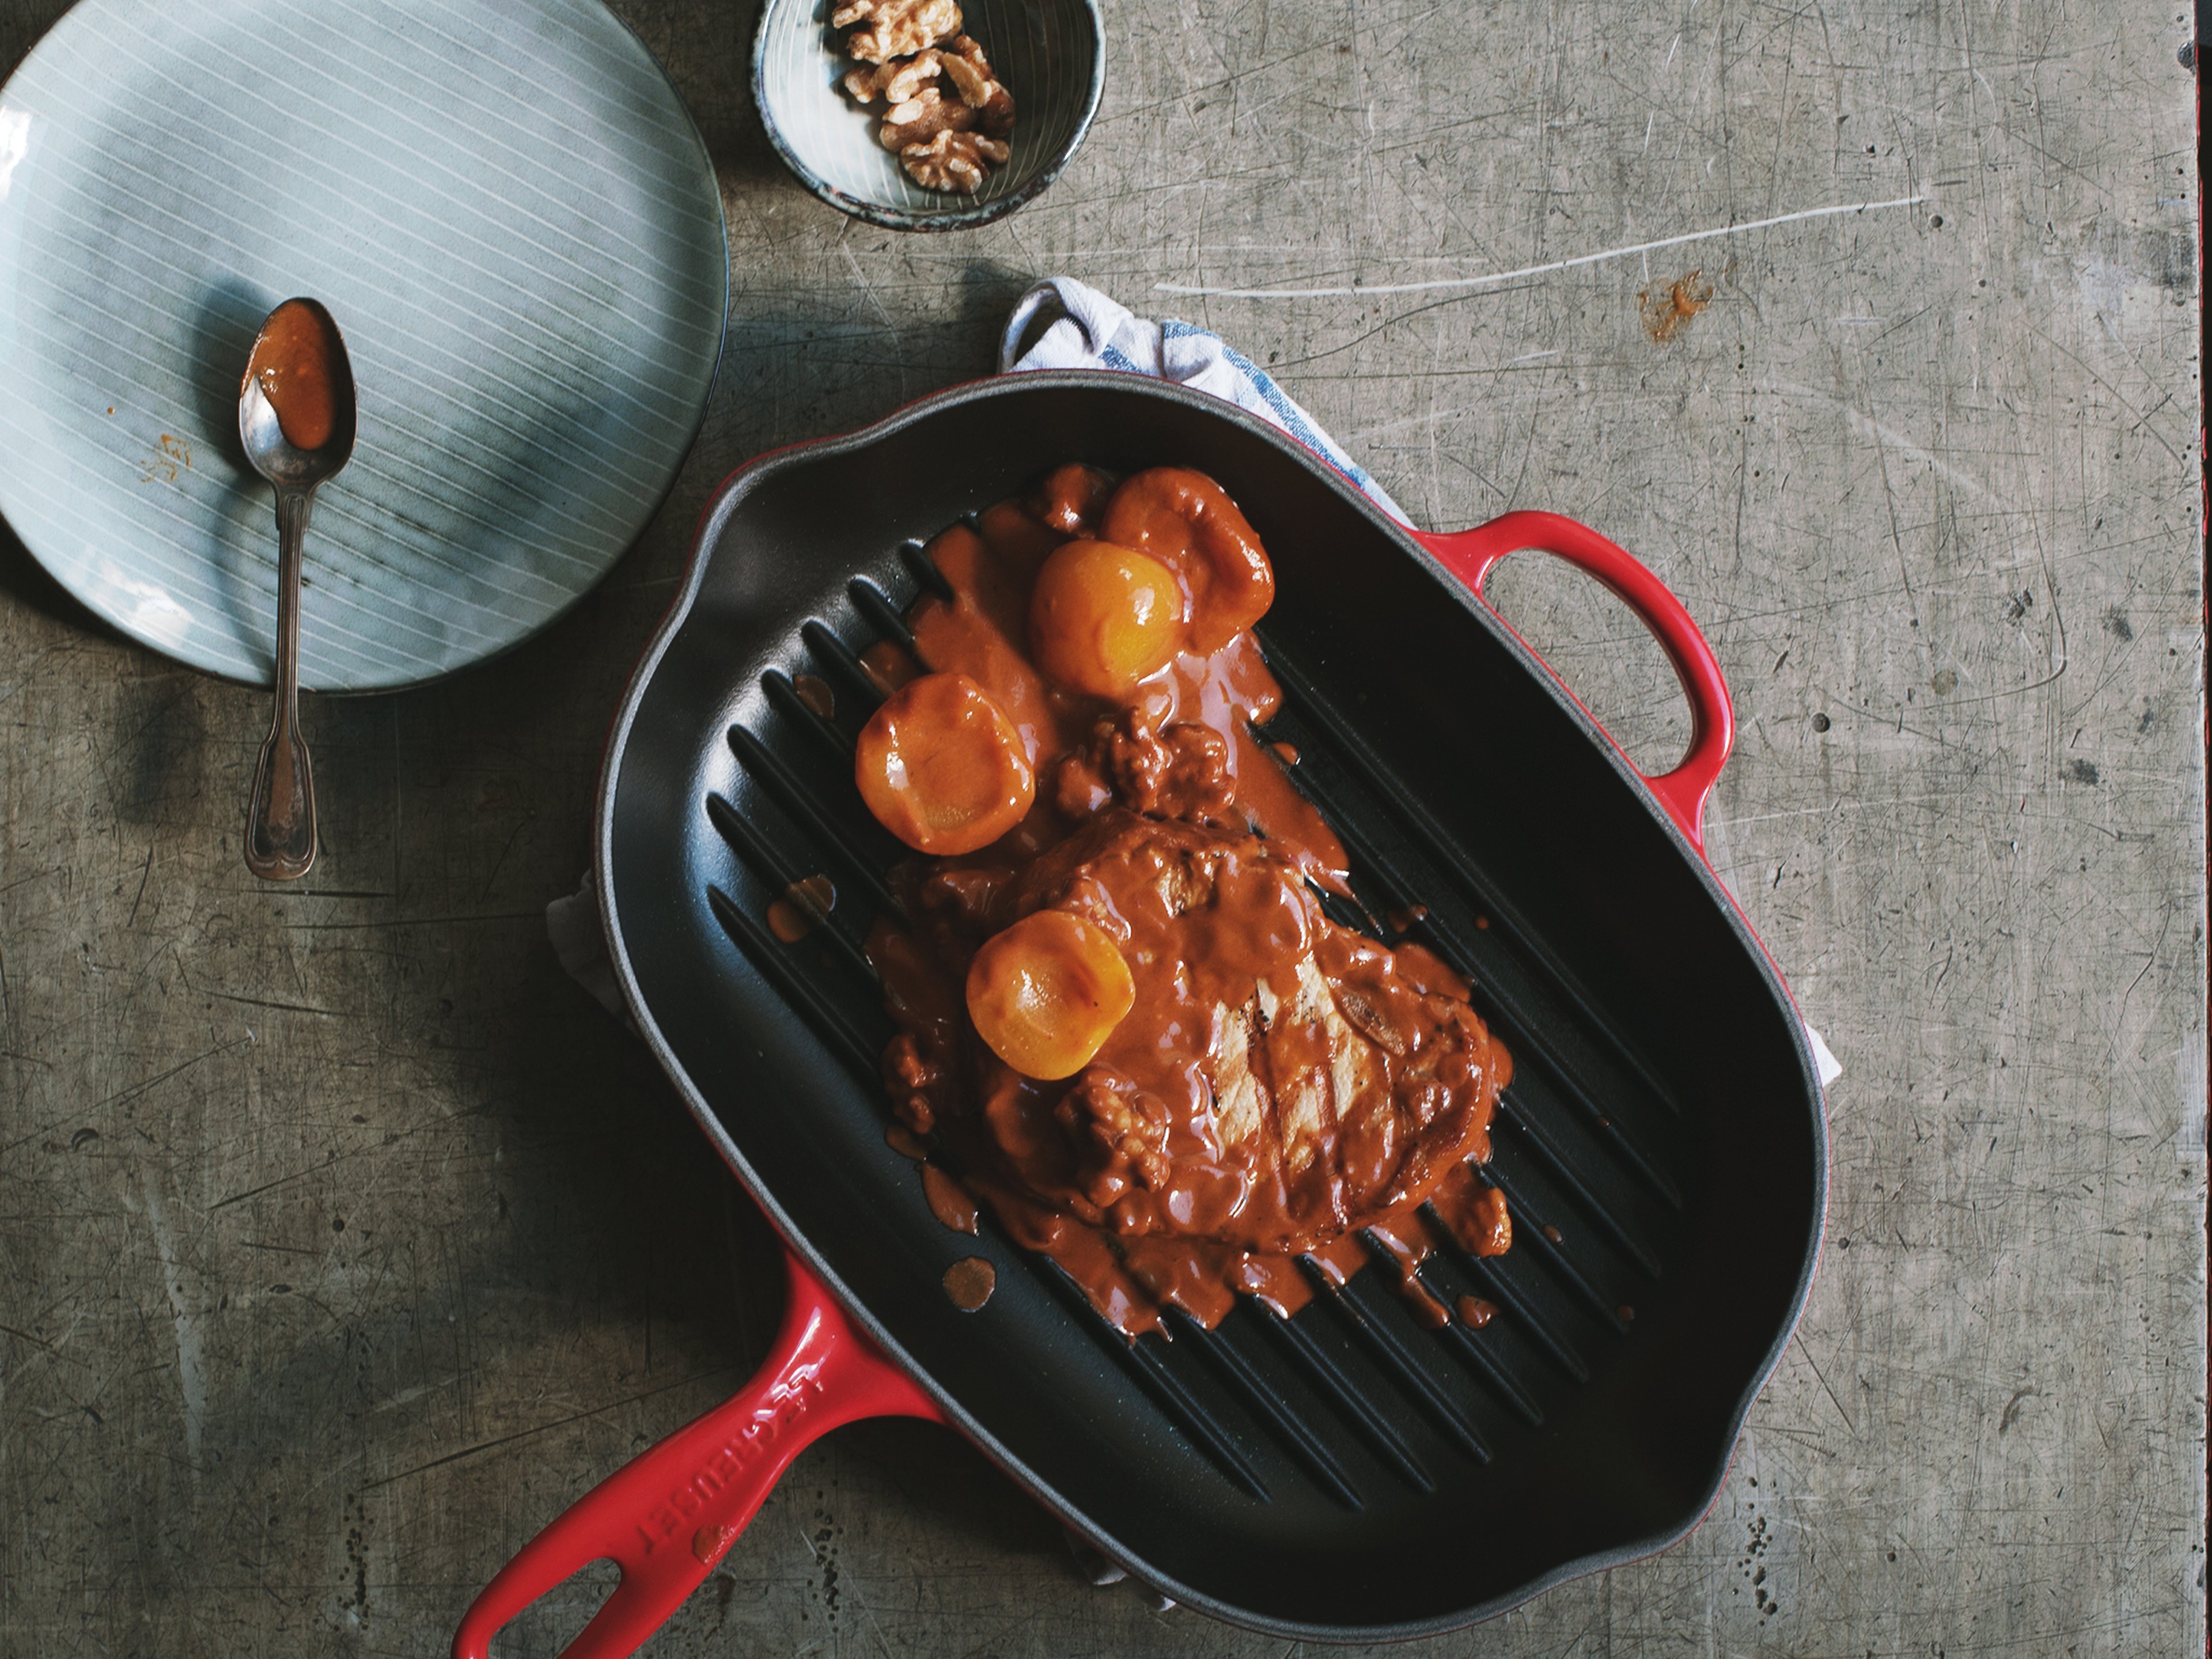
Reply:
x=297, y=427
x=292, y=361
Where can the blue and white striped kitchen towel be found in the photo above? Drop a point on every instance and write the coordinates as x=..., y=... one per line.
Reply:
x=1084, y=329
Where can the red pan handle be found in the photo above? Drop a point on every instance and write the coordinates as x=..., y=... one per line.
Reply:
x=1470, y=555
x=669, y=1516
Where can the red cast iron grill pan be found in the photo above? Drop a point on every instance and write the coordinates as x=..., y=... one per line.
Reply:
x=1346, y=1475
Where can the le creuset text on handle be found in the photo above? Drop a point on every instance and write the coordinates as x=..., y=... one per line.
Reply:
x=669, y=1516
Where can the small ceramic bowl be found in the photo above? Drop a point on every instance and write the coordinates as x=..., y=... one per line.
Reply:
x=1050, y=54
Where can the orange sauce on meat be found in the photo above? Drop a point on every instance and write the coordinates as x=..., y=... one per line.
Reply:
x=296, y=362
x=1284, y=1099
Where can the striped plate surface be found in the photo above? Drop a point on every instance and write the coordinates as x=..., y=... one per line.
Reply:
x=1047, y=53
x=508, y=209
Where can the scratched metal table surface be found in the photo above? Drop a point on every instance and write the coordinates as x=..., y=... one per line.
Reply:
x=342, y=1241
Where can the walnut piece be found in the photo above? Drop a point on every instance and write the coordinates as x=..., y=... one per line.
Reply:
x=969, y=71
x=953, y=161
x=897, y=80
x=906, y=81
x=895, y=28
x=921, y=118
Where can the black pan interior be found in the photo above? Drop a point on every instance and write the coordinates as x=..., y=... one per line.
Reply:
x=1661, y=1146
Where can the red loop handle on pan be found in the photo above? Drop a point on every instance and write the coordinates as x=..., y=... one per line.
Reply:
x=1470, y=555
x=668, y=1517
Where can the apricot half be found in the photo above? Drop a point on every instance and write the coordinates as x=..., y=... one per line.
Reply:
x=1188, y=521
x=1048, y=992
x=942, y=767
x=1103, y=618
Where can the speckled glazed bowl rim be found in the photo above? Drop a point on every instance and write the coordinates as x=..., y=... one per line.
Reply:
x=892, y=218
x=107, y=615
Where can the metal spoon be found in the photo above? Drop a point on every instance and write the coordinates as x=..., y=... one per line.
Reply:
x=280, y=818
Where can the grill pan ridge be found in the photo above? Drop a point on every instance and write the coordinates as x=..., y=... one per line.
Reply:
x=1346, y=1475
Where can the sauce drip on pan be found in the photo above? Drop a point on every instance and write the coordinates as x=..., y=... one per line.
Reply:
x=970, y=1282
x=948, y=1199
x=1124, y=1017
x=295, y=361
x=805, y=906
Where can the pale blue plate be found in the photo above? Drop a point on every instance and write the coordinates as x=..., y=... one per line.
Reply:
x=509, y=212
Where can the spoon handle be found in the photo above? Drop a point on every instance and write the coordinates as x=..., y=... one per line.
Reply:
x=279, y=819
